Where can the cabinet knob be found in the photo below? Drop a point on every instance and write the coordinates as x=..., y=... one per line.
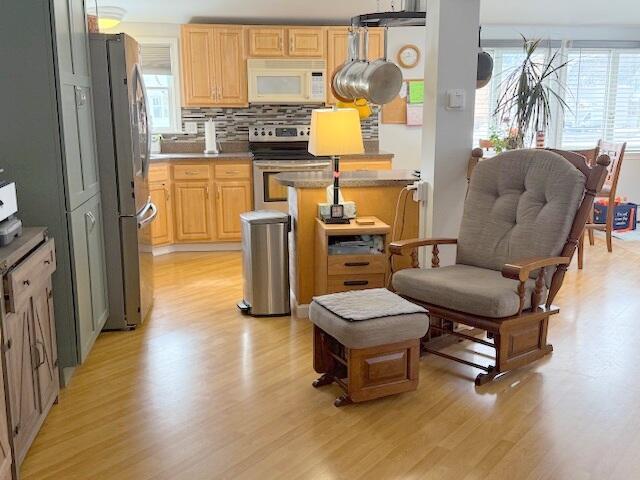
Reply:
x=26, y=283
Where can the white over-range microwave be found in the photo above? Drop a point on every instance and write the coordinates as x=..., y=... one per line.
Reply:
x=287, y=80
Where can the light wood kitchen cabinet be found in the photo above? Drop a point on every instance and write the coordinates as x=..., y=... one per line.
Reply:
x=306, y=41
x=198, y=71
x=280, y=41
x=232, y=199
x=350, y=165
x=162, y=226
x=266, y=41
x=214, y=70
x=337, y=51
x=193, y=211
x=28, y=342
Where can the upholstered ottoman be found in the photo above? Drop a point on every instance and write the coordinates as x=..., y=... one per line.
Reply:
x=368, y=342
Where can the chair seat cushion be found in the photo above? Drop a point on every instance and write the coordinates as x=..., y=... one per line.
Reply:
x=464, y=288
x=369, y=333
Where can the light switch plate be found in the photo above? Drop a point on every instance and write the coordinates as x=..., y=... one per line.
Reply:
x=191, y=127
x=455, y=99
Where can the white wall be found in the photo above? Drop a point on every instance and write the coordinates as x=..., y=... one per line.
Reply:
x=403, y=141
x=137, y=30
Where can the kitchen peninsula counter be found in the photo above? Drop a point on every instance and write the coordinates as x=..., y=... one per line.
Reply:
x=375, y=193
x=362, y=178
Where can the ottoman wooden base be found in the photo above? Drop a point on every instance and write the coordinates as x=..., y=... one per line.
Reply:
x=365, y=373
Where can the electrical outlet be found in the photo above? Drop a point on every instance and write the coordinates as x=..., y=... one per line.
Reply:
x=191, y=127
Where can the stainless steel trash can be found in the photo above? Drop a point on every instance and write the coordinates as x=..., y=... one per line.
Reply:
x=265, y=262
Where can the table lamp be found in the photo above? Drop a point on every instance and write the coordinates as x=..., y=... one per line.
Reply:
x=335, y=132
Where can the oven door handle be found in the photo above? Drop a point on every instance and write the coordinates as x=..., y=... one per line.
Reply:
x=297, y=166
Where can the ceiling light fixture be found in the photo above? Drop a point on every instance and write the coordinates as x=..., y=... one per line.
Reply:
x=108, y=17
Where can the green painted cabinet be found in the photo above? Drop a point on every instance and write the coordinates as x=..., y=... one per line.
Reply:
x=91, y=298
x=76, y=104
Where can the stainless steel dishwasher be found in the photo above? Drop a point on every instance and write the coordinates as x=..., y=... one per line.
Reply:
x=265, y=262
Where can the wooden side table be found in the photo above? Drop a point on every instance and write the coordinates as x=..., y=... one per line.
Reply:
x=340, y=273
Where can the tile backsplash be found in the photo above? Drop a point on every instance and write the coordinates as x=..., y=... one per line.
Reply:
x=232, y=124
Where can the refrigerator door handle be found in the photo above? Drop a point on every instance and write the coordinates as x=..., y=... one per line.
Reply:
x=139, y=81
x=150, y=218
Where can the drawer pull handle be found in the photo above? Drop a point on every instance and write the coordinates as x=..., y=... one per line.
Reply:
x=191, y=173
x=47, y=262
x=356, y=264
x=26, y=283
x=233, y=172
x=352, y=283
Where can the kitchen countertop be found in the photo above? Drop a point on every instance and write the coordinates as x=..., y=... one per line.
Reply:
x=163, y=157
x=365, y=178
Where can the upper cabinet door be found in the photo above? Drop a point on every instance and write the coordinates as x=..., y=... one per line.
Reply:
x=306, y=42
x=337, y=51
x=81, y=160
x=231, y=67
x=198, y=66
x=267, y=41
x=71, y=37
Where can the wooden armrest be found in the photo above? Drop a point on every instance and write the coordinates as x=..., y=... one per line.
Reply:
x=398, y=246
x=521, y=269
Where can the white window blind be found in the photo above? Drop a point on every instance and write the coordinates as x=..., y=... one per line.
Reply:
x=157, y=60
x=603, y=93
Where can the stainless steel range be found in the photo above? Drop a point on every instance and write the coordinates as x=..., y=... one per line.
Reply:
x=278, y=149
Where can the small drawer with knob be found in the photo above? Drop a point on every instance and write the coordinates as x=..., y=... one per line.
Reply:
x=196, y=171
x=343, y=283
x=350, y=264
x=232, y=171
x=37, y=267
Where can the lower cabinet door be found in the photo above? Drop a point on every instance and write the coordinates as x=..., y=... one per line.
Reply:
x=162, y=226
x=192, y=210
x=25, y=407
x=92, y=305
x=44, y=345
x=232, y=199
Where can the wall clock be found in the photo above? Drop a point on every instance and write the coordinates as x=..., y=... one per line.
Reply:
x=408, y=56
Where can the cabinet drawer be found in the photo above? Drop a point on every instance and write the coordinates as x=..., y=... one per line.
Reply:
x=343, y=283
x=191, y=172
x=159, y=172
x=229, y=170
x=350, y=264
x=32, y=271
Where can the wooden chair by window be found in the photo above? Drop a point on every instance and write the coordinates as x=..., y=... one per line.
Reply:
x=615, y=151
x=513, y=249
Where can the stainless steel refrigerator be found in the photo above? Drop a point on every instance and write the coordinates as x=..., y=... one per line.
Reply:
x=123, y=142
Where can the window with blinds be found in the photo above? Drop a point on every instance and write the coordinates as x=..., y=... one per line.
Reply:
x=603, y=93
x=159, y=78
x=505, y=61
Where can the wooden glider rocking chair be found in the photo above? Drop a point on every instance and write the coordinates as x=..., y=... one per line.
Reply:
x=523, y=216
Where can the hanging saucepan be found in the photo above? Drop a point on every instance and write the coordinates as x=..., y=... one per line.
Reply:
x=338, y=78
x=351, y=77
x=381, y=81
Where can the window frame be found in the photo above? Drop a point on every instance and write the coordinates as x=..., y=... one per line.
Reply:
x=176, y=100
x=556, y=130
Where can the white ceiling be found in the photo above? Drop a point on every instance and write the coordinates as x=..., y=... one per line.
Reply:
x=522, y=12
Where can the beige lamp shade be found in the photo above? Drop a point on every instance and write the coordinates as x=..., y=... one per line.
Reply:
x=335, y=131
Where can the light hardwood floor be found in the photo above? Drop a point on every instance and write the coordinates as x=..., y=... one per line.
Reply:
x=201, y=392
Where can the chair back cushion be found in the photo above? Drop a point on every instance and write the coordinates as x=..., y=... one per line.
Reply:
x=520, y=204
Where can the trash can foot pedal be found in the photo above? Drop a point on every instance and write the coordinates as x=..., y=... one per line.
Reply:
x=243, y=307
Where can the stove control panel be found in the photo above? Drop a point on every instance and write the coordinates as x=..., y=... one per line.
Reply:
x=279, y=133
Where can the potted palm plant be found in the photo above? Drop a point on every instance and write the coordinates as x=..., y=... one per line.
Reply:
x=524, y=105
